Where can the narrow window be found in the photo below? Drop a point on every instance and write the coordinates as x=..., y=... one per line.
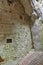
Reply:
x=9, y=40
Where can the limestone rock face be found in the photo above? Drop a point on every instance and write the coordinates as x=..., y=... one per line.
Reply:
x=38, y=35
x=38, y=26
x=28, y=7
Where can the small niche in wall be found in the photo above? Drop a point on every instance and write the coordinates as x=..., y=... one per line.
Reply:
x=9, y=40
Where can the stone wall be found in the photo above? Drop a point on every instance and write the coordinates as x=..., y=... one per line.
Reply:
x=14, y=26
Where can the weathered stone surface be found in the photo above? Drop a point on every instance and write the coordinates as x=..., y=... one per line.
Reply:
x=27, y=6
x=38, y=26
x=38, y=35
